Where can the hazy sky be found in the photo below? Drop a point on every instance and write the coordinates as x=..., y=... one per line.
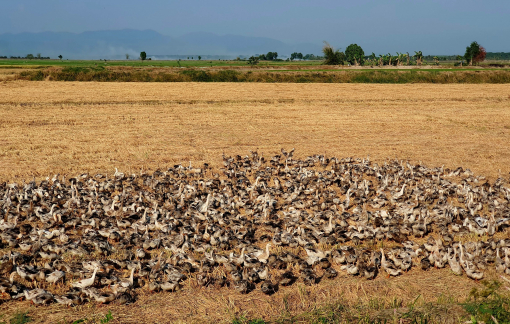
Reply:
x=433, y=26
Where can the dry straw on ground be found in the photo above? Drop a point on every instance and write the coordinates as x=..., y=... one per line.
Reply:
x=69, y=128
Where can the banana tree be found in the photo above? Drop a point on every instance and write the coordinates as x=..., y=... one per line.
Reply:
x=373, y=59
x=419, y=57
x=400, y=58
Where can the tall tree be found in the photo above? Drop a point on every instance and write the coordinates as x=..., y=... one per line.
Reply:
x=271, y=56
x=143, y=56
x=354, y=54
x=475, y=53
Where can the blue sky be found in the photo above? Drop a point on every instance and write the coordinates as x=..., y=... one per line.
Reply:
x=433, y=26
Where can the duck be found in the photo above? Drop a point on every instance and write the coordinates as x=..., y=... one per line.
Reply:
x=85, y=283
x=263, y=274
x=263, y=256
x=388, y=266
x=330, y=273
x=286, y=278
x=454, y=264
x=105, y=297
x=154, y=286
x=469, y=267
x=314, y=255
x=309, y=278
x=499, y=263
x=267, y=287
x=128, y=283
x=351, y=269
x=169, y=286
x=6, y=284
x=324, y=263
x=27, y=272
x=370, y=271
x=70, y=299
x=55, y=276
x=242, y=286
x=474, y=274
x=114, y=224
x=238, y=260
x=38, y=296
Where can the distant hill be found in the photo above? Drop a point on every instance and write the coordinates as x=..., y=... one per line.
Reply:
x=114, y=44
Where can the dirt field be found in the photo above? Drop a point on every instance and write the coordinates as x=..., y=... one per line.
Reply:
x=69, y=128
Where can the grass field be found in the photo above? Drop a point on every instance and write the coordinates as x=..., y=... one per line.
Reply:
x=74, y=127
x=491, y=72
x=211, y=63
x=153, y=63
x=268, y=73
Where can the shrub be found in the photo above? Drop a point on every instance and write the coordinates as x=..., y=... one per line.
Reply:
x=331, y=56
x=488, y=305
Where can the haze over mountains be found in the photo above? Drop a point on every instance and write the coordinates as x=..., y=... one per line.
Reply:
x=114, y=44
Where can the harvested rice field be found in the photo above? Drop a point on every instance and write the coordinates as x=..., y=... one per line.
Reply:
x=69, y=128
x=53, y=129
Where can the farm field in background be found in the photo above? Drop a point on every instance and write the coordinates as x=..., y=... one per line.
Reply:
x=75, y=127
x=5, y=63
x=150, y=63
x=240, y=71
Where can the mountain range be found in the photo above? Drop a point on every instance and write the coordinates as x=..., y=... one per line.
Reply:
x=115, y=44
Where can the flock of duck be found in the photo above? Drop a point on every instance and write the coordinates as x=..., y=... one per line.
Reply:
x=255, y=222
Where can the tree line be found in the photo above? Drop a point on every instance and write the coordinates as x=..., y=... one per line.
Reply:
x=354, y=55
x=27, y=57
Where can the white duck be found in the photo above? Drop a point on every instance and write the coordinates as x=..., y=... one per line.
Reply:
x=55, y=276
x=127, y=283
x=263, y=256
x=454, y=264
x=85, y=282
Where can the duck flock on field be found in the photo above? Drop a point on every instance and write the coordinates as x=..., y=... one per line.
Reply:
x=256, y=223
